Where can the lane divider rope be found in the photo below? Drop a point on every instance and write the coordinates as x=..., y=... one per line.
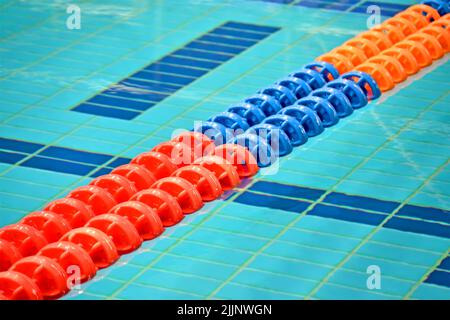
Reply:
x=93, y=225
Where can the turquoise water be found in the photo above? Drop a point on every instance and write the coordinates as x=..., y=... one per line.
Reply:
x=396, y=150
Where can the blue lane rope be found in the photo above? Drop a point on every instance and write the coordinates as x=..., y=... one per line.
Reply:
x=291, y=111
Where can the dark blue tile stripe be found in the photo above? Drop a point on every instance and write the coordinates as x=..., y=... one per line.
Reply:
x=184, y=61
x=419, y=226
x=136, y=94
x=226, y=41
x=250, y=27
x=58, y=165
x=118, y=162
x=197, y=54
x=387, y=9
x=58, y=159
x=440, y=278
x=434, y=214
x=445, y=264
x=279, y=1
x=341, y=1
x=441, y=274
x=118, y=102
x=273, y=202
x=385, y=5
x=11, y=157
x=20, y=146
x=162, y=77
x=106, y=111
x=360, y=202
x=249, y=36
x=174, y=71
x=75, y=155
x=151, y=86
x=351, y=215
x=216, y=48
x=181, y=70
x=325, y=5
x=429, y=221
x=387, y=12
x=100, y=172
x=287, y=190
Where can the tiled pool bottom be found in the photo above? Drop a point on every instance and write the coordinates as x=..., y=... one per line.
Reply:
x=376, y=170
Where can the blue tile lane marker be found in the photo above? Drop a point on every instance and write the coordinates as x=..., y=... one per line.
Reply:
x=352, y=208
x=341, y=206
x=441, y=275
x=145, y=88
x=387, y=9
x=57, y=159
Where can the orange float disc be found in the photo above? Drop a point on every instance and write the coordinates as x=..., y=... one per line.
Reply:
x=416, y=18
x=25, y=238
x=379, y=74
x=197, y=141
x=166, y=206
x=428, y=12
x=405, y=57
x=52, y=225
x=98, y=199
x=392, y=65
x=440, y=34
x=406, y=26
x=118, y=186
x=46, y=273
x=143, y=217
x=341, y=62
x=76, y=212
x=354, y=54
x=8, y=255
x=204, y=181
x=181, y=189
x=97, y=244
x=418, y=50
x=239, y=156
x=180, y=154
x=432, y=45
x=17, y=286
x=121, y=231
x=367, y=46
x=224, y=171
x=395, y=34
x=157, y=163
x=443, y=23
x=70, y=255
x=139, y=175
x=378, y=38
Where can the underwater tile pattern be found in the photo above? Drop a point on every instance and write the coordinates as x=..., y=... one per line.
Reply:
x=376, y=169
x=157, y=81
x=387, y=8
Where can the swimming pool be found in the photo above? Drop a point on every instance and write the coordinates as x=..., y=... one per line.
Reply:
x=371, y=191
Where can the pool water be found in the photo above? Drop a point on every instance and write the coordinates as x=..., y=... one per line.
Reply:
x=370, y=192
